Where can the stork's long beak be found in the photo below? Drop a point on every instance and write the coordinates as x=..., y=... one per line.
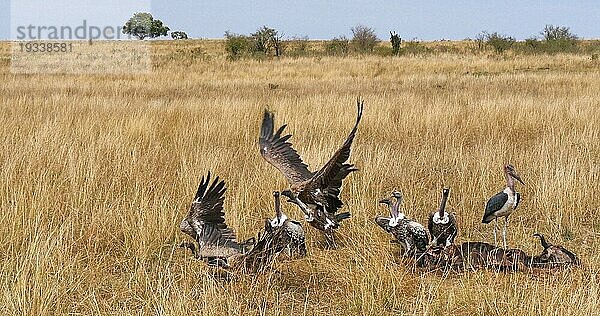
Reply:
x=516, y=176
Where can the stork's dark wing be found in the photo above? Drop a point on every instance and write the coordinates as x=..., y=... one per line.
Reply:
x=206, y=223
x=279, y=152
x=329, y=178
x=518, y=199
x=493, y=205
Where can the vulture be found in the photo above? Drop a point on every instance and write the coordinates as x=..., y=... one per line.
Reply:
x=411, y=235
x=315, y=193
x=217, y=244
x=291, y=238
x=442, y=225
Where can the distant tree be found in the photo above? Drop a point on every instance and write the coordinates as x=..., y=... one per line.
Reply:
x=179, y=35
x=364, y=38
x=499, y=42
x=267, y=41
x=557, y=33
x=142, y=25
x=278, y=44
x=396, y=41
x=558, y=39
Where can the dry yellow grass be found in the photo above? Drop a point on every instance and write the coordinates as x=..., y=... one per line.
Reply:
x=97, y=171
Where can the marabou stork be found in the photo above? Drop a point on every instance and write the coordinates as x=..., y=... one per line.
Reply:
x=442, y=225
x=503, y=203
x=315, y=193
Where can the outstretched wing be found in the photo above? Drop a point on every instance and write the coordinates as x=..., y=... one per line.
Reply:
x=329, y=178
x=279, y=152
x=206, y=223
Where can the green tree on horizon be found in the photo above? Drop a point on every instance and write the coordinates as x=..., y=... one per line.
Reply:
x=142, y=25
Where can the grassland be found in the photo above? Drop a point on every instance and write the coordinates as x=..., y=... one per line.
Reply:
x=97, y=170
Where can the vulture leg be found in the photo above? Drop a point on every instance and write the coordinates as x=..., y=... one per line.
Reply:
x=192, y=247
x=330, y=240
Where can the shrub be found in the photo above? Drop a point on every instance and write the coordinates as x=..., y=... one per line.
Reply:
x=364, y=38
x=530, y=45
x=338, y=46
x=415, y=48
x=558, y=39
x=179, y=35
x=480, y=39
x=263, y=40
x=297, y=47
x=237, y=45
x=557, y=33
x=278, y=44
x=384, y=51
x=499, y=42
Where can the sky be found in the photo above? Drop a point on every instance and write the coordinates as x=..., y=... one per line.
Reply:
x=317, y=19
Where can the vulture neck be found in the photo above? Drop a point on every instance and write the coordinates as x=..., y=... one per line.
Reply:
x=443, y=205
x=277, y=208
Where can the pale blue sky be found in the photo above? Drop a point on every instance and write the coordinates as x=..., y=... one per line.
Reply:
x=318, y=19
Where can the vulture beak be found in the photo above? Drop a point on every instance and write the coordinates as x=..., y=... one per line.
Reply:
x=385, y=201
x=288, y=194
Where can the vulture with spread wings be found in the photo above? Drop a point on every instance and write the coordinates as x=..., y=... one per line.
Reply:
x=217, y=244
x=315, y=193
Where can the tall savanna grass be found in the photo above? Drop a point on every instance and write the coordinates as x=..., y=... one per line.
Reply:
x=96, y=172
